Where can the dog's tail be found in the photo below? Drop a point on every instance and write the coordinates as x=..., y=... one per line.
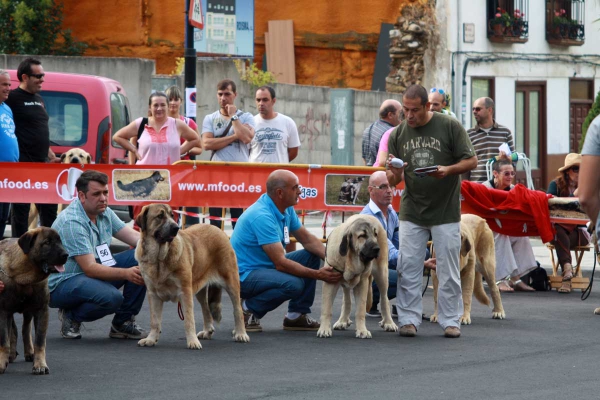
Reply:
x=479, y=291
x=370, y=294
x=214, y=302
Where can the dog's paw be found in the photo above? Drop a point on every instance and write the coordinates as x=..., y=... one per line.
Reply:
x=29, y=357
x=498, y=315
x=147, y=342
x=465, y=320
x=194, y=344
x=433, y=318
x=3, y=367
x=40, y=369
x=13, y=356
x=240, y=337
x=324, y=332
x=389, y=327
x=342, y=325
x=205, y=335
x=363, y=334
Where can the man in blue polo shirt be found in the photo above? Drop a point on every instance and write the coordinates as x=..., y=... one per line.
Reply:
x=89, y=288
x=268, y=275
x=380, y=207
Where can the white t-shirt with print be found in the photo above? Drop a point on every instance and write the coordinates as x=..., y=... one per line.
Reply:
x=273, y=138
x=216, y=124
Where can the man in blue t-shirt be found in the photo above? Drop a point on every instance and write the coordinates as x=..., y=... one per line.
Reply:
x=268, y=275
x=8, y=139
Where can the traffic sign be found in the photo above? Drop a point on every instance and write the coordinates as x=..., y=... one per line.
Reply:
x=195, y=14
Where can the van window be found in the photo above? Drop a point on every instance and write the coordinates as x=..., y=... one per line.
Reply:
x=119, y=110
x=68, y=114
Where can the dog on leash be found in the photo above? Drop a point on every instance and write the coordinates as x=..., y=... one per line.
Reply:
x=178, y=264
x=25, y=265
x=477, y=259
x=73, y=156
x=142, y=187
x=358, y=249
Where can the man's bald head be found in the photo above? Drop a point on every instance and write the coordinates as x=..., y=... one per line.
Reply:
x=279, y=179
x=390, y=111
x=377, y=178
x=437, y=101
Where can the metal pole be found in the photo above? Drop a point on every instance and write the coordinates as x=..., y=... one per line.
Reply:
x=190, y=52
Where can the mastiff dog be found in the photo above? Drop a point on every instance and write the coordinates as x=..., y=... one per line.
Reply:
x=25, y=265
x=358, y=249
x=178, y=264
x=477, y=259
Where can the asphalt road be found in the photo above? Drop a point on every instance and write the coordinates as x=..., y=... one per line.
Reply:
x=545, y=349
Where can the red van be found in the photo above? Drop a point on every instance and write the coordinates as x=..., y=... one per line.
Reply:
x=85, y=111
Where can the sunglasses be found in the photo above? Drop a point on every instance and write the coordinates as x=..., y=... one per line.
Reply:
x=575, y=169
x=38, y=76
x=440, y=91
x=382, y=187
x=509, y=173
x=477, y=109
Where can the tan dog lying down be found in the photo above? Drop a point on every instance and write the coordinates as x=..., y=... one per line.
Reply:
x=178, y=264
x=477, y=259
x=359, y=249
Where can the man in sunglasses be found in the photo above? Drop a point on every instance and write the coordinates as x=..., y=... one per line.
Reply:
x=33, y=136
x=486, y=136
x=438, y=99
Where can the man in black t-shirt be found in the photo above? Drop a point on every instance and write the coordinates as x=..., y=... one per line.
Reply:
x=33, y=135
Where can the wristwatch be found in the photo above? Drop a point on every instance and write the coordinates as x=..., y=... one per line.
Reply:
x=234, y=118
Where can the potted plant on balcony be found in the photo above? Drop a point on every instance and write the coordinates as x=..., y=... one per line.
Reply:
x=517, y=23
x=561, y=25
x=575, y=30
x=500, y=23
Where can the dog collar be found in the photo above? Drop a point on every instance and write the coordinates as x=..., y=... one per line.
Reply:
x=341, y=271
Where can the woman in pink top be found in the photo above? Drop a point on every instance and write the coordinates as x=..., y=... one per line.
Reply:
x=160, y=142
x=175, y=99
x=382, y=153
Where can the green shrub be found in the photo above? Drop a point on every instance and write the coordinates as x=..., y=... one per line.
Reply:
x=594, y=112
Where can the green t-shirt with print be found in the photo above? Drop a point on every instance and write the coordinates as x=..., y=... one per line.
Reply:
x=428, y=201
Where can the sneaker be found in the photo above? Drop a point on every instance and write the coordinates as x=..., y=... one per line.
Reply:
x=408, y=330
x=452, y=332
x=69, y=329
x=251, y=322
x=127, y=330
x=374, y=313
x=303, y=323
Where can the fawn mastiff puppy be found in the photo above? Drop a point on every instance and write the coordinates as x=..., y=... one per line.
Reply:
x=477, y=259
x=25, y=265
x=358, y=249
x=178, y=264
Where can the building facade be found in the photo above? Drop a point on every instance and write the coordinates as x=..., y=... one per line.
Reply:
x=537, y=59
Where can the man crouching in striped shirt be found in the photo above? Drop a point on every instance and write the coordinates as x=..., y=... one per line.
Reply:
x=487, y=136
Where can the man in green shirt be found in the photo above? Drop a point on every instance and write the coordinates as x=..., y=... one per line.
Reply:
x=430, y=205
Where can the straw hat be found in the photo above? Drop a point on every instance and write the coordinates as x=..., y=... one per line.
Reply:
x=570, y=160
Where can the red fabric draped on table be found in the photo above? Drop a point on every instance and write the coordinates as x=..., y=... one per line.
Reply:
x=518, y=212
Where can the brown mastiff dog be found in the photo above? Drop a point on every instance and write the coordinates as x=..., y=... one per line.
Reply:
x=358, y=249
x=25, y=264
x=176, y=264
x=477, y=259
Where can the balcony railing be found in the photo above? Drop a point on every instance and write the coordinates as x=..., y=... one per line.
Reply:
x=564, y=22
x=508, y=21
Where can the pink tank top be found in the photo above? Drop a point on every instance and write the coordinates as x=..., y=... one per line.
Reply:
x=159, y=148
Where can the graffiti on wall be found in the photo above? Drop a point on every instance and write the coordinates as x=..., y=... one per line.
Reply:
x=315, y=125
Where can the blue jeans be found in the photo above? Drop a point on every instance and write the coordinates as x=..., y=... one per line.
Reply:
x=87, y=299
x=266, y=289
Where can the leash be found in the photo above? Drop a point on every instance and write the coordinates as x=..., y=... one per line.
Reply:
x=585, y=294
x=180, y=311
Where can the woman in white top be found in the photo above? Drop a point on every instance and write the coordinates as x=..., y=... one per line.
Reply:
x=514, y=254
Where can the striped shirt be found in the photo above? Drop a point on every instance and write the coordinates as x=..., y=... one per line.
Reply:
x=80, y=236
x=371, y=138
x=486, y=146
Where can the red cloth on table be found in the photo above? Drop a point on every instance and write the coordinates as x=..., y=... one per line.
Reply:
x=517, y=212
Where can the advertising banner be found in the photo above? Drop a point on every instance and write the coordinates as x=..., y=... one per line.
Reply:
x=190, y=183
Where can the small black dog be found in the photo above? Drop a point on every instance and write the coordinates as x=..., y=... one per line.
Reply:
x=142, y=187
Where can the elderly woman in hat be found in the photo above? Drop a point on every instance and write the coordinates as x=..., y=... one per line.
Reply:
x=568, y=236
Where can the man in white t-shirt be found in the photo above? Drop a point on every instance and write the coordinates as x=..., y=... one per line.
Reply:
x=276, y=137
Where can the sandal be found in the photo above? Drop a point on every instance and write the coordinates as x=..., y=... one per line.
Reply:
x=567, y=272
x=520, y=286
x=565, y=287
x=504, y=286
